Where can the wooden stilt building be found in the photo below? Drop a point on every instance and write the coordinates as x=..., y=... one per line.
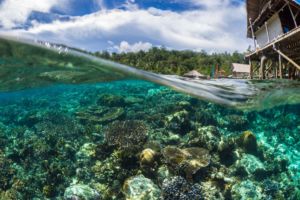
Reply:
x=274, y=26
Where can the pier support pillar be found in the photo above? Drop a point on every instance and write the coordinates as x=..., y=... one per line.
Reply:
x=251, y=68
x=280, y=66
x=262, y=74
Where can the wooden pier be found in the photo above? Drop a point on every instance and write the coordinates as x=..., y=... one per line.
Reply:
x=274, y=26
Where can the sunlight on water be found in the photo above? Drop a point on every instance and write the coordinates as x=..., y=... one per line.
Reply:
x=73, y=126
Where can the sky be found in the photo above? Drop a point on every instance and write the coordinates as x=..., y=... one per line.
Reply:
x=130, y=25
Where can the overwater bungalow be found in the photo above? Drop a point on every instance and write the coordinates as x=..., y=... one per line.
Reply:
x=274, y=27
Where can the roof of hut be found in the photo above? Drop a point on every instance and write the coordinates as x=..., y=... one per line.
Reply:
x=194, y=73
x=241, y=68
x=259, y=11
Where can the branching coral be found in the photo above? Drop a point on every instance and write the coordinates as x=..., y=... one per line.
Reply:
x=6, y=172
x=126, y=135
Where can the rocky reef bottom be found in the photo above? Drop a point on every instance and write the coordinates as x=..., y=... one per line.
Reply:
x=136, y=140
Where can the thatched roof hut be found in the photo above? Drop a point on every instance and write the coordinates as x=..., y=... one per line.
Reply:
x=194, y=74
x=240, y=70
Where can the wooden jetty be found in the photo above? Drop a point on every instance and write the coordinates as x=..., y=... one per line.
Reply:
x=274, y=26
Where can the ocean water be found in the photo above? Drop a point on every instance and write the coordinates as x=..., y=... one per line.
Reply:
x=77, y=127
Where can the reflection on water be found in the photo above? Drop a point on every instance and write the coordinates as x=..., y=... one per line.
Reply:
x=77, y=127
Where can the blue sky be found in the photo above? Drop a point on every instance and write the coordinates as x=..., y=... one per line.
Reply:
x=129, y=25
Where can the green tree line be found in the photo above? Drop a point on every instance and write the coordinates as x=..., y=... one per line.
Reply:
x=161, y=60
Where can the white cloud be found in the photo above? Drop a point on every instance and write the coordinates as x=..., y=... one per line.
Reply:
x=218, y=27
x=136, y=47
x=14, y=12
x=205, y=3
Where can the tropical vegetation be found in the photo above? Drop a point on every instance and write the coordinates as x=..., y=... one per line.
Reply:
x=164, y=61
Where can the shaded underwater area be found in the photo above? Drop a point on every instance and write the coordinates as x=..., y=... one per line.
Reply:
x=134, y=139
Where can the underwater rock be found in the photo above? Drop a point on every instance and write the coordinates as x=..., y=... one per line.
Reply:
x=210, y=191
x=251, y=165
x=189, y=160
x=86, y=152
x=81, y=192
x=179, y=122
x=99, y=114
x=110, y=171
x=247, y=141
x=177, y=188
x=246, y=190
x=162, y=174
x=205, y=136
x=140, y=188
x=111, y=100
x=271, y=188
x=129, y=135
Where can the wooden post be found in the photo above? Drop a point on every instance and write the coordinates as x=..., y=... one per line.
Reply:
x=288, y=59
x=252, y=31
x=280, y=66
x=217, y=72
x=268, y=69
x=275, y=70
x=297, y=14
x=262, y=67
x=251, y=69
x=268, y=34
x=293, y=16
x=289, y=72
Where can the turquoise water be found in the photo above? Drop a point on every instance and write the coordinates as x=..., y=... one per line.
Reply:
x=75, y=127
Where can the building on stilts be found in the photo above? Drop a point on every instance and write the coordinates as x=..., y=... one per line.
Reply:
x=274, y=26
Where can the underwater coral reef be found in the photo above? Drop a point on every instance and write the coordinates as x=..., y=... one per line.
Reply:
x=136, y=140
